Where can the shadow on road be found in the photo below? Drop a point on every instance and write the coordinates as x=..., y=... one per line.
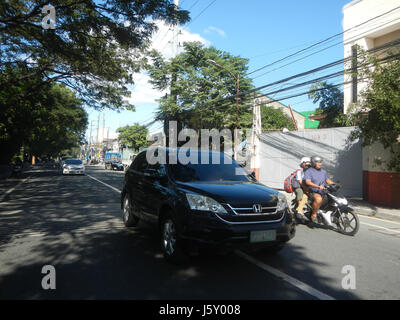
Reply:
x=74, y=224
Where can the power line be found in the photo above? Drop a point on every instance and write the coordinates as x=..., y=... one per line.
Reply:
x=194, y=19
x=329, y=65
x=322, y=41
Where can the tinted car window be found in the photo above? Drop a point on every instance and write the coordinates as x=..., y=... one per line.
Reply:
x=73, y=161
x=209, y=172
x=140, y=163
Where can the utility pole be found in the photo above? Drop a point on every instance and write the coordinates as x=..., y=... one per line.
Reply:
x=255, y=138
x=173, y=94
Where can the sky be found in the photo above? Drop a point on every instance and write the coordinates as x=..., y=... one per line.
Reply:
x=262, y=31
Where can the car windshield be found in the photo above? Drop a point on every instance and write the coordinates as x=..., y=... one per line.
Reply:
x=73, y=161
x=226, y=170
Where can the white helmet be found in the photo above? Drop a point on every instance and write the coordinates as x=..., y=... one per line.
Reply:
x=305, y=159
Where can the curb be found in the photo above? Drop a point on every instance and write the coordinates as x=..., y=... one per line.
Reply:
x=376, y=213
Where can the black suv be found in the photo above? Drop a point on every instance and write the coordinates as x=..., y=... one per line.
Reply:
x=222, y=205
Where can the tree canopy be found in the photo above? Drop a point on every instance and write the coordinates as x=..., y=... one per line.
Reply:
x=378, y=110
x=200, y=79
x=44, y=122
x=275, y=119
x=134, y=137
x=94, y=48
x=331, y=102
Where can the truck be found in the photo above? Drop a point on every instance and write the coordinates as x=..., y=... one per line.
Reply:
x=113, y=161
x=127, y=157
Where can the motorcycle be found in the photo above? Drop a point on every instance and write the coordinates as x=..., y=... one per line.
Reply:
x=16, y=171
x=334, y=212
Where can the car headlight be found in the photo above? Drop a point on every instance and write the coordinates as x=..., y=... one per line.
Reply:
x=203, y=203
x=282, y=202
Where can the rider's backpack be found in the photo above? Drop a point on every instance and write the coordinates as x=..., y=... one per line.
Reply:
x=288, y=183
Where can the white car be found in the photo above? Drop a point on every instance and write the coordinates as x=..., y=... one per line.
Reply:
x=73, y=166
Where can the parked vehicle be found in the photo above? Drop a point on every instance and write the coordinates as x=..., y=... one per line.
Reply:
x=202, y=205
x=334, y=212
x=62, y=161
x=128, y=155
x=112, y=161
x=73, y=166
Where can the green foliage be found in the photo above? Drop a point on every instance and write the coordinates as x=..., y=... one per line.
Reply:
x=134, y=137
x=378, y=112
x=198, y=86
x=44, y=121
x=331, y=102
x=275, y=119
x=94, y=49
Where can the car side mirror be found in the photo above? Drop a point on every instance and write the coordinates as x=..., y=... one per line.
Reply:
x=153, y=173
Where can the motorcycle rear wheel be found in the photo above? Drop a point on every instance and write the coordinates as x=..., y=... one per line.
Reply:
x=347, y=222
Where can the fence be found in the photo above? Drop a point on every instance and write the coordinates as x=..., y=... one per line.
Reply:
x=280, y=154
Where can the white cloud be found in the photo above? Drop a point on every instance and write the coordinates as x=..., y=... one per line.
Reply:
x=163, y=39
x=143, y=92
x=211, y=29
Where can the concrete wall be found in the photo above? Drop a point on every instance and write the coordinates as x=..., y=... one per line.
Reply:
x=280, y=154
x=380, y=186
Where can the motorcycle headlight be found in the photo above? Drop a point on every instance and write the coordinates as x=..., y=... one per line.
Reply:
x=282, y=202
x=203, y=203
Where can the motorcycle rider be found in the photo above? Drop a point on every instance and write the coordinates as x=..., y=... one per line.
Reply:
x=316, y=179
x=301, y=196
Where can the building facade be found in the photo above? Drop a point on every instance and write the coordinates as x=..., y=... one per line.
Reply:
x=371, y=24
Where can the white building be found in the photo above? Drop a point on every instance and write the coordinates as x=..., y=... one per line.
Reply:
x=369, y=24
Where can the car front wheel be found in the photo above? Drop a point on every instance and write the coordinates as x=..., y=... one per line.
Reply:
x=130, y=220
x=171, y=245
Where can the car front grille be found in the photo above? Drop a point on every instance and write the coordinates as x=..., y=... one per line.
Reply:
x=245, y=214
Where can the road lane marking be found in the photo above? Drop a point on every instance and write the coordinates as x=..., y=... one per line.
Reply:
x=294, y=282
x=378, y=219
x=13, y=188
x=107, y=185
x=297, y=283
x=380, y=227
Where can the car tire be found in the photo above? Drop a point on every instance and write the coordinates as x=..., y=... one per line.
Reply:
x=130, y=220
x=171, y=244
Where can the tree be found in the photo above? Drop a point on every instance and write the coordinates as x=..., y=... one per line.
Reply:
x=199, y=88
x=134, y=137
x=378, y=110
x=331, y=102
x=43, y=121
x=275, y=119
x=94, y=48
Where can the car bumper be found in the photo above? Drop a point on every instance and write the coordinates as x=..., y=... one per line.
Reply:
x=213, y=231
x=65, y=171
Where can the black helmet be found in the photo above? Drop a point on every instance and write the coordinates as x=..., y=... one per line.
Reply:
x=314, y=160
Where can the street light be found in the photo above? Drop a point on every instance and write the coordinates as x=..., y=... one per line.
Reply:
x=237, y=78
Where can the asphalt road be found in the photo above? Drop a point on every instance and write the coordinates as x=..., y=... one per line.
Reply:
x=74, y=224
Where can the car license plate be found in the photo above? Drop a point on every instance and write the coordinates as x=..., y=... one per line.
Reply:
x=263, y=236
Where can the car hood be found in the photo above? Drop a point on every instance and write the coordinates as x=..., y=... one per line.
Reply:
x=235, y=193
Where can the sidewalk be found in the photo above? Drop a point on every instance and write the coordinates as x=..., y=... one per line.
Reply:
x=364, y=208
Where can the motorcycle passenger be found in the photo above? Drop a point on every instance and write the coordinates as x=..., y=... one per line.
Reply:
x=301, y=196
x=316, y=179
